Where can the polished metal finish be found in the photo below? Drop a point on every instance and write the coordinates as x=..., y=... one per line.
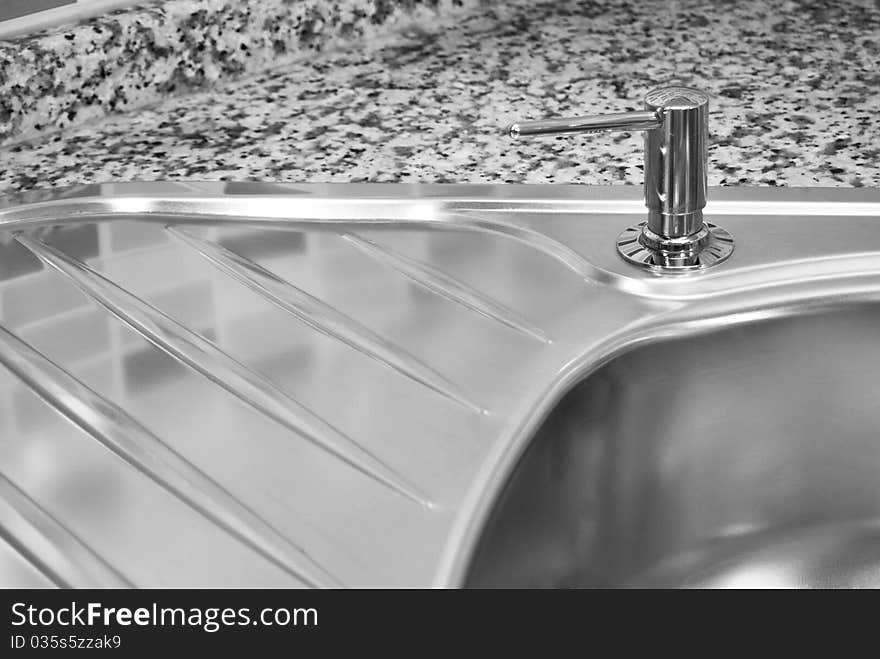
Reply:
x=598, y=123
x=137, y=446
x=367, y=385
x=675, y=162
x=674, y=237
x=322, y=317
x=744, y=457
x=205, y=358
x=447, y=286
x=709, y=245
x=47, y=545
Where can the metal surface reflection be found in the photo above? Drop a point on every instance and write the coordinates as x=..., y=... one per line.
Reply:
x=332, y=384
x=747, y=457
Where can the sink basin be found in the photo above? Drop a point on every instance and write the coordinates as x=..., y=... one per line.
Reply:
x=743, y=457
x=246, y=384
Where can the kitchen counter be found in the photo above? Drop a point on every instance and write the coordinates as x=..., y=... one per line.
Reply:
x=795, y=102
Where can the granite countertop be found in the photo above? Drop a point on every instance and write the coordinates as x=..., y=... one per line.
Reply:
x=795, y=102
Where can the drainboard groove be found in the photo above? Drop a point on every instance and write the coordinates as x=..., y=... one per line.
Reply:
x=204, y=357
x=49, y=546
x=117, y=431
x=446, y=286
x=320, y=316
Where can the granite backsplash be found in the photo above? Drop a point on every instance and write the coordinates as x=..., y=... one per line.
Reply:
x=794, y=87
x=133, y=58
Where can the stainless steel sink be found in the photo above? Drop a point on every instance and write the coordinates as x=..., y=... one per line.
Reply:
x=265, y=384
x=743, y=457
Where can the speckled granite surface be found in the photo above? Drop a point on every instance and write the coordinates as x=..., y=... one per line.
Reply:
x=795, y=88
x=127, y=59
